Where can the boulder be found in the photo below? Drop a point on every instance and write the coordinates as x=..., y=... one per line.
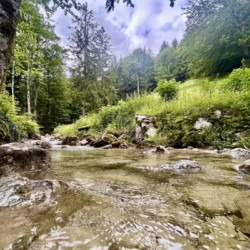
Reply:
x=71, y=141
x=84, y=142
x=16, y=190
x=19, y=156
x=106, y=139
x=43, y=144
x=183, y=166
x=244, y=167
x=145, y=127
x=89, y=138
x=238, y=153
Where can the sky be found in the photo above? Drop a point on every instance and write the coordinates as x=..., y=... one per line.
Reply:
x=147, y=25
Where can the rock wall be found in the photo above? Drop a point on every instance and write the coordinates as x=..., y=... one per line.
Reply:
x=9, y=12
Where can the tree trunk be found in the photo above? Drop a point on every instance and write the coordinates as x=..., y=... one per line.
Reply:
x=36, y=99
x=28, y=87
x=13, y=83
x=138, y=85
x=9, y=10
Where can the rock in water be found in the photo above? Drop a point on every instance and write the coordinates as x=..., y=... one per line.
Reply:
x=16, y=190
x=238, y=153
x=183, y=166
x=19, y=156
x=71, y=141
x=244, y=167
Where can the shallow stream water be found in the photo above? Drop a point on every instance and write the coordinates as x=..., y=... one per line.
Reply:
x=119, y=200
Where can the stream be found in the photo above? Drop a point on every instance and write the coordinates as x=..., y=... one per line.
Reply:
x=118, y=199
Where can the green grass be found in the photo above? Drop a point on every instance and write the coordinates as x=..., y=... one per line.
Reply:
x=196, y=98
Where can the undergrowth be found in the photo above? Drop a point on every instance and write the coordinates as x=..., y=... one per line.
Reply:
x=224, y=106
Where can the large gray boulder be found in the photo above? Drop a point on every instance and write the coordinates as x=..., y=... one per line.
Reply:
x=239, y=153
x=20, y=191
x=19, y=156
x=145, y=127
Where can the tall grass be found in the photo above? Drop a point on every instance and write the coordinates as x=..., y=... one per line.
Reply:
x=196, y=98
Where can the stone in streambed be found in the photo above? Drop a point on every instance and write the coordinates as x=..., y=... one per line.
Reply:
x=19, y=156
x=244, y=167
x=183, y=166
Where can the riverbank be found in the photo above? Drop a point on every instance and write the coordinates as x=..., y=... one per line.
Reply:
x=204, y=114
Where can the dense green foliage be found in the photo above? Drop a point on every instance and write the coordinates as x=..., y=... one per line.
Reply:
x=13, y=126
x=135, y=73
x=216, y=43
x=227, y=112
x=167, y=89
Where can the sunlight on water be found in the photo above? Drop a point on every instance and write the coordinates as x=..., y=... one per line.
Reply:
x=121, y=202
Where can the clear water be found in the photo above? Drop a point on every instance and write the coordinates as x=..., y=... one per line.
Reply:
x=118, y=201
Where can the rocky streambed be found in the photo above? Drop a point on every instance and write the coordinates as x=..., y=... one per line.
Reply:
x=124, y=198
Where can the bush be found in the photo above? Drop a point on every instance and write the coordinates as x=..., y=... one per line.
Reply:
x=239, y=80
x=12, y=125
x=167, y=89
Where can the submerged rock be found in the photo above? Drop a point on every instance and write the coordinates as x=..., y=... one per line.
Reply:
x=16, y=190
x=183, y=166
x=19, y=156
x=158, y=149
x=244, y=167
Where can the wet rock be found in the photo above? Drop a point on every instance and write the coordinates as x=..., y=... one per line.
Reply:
x=119, y=144
x=89, y=138
x=71, y=141
x=243, y=204
x=158, y=149
x=145, y=127
x=84, y=142
x=106, y=139
x=16, y=190
x=109, y=146
x=19, y=156
x=215, y=200
x=43, y=144
x=244, y=167
x=34, y=136
x=238, y=153
x=183, y=166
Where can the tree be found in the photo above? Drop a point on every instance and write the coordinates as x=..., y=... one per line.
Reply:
x=220, y=40
x=135, y=72
x=170, y=63
x=92, y=59
x=9, y=11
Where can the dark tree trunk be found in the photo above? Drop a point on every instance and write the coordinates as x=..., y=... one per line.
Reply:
x=9, y=10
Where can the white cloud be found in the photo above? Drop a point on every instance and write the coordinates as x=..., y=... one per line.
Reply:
x=146, y=25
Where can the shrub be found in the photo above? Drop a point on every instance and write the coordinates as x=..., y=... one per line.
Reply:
x=167, y=89
x=239, y=80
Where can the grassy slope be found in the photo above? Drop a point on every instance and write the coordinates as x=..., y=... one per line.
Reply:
x=197, y=98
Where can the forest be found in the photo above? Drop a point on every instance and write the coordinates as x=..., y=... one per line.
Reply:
x=208, y=70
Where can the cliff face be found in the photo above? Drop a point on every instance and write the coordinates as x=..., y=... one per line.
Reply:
x=9, y=10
